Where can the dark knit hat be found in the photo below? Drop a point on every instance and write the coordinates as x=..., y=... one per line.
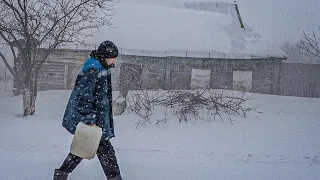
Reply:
x=107, y=49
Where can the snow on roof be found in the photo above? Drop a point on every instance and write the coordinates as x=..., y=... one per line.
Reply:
x=168, y=29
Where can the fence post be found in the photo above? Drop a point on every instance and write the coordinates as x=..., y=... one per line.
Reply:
x=5, y=79
x=186, y=53
x=167, y=82
x=65, y=76
x=209, y=55
x=5, y=74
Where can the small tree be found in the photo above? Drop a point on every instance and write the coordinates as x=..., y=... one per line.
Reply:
x=27, y=25
x=310, y=43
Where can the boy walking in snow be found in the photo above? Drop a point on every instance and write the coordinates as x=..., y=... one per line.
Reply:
x=91, y=103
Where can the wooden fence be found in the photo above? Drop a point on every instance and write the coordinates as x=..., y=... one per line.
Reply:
x=298, y=79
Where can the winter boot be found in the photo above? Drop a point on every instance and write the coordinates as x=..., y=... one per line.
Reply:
x=60, y=175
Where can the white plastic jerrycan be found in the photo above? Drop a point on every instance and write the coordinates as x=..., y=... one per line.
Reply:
x=85, y=141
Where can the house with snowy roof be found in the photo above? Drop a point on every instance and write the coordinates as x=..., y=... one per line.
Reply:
x=176, y=48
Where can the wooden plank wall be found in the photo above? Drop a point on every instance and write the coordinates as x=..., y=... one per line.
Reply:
x=300, y=80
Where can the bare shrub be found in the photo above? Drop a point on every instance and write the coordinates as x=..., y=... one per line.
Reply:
x=203, y=104
x=142, y=103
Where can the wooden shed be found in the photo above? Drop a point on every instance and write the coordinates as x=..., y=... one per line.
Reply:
x=60, y=69
x=261, y=75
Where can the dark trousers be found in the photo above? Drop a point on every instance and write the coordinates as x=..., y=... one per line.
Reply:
x=106, y=156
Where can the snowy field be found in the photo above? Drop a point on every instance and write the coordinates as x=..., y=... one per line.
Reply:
x=282, y=143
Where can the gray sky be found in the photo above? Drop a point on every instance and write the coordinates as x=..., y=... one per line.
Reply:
x=281, y=20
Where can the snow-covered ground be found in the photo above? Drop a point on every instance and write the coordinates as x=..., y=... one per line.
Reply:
x=282, y=143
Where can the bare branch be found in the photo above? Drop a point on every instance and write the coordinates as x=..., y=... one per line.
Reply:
x=16, y=11
x=10, y=44
x=7, y=64
x=310, y=44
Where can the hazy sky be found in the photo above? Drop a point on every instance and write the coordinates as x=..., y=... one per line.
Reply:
x=281, y=20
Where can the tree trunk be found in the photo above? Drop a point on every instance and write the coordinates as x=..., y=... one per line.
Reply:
x=29, y=95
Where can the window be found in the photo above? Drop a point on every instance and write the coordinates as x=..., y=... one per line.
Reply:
x=242, y=80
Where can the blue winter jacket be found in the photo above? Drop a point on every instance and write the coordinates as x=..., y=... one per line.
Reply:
x=91, y=99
